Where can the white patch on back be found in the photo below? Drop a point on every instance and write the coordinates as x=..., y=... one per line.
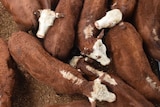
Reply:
x=152, y=83
x=111, y=18
x=101, y=93
x=88, y=31
x=99, y=53
x=69, y=76
x=106, y=78
x=46, y=20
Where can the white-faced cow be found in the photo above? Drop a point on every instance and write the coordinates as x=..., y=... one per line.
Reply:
x=61, y=76
x=60, y=38
x=23, y=12
x=87, y=40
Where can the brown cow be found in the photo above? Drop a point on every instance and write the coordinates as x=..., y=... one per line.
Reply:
x=147, y=22
x=65, y=79
x=126, y=95
x=6, y=76
x=130, y=61
x=80, y=103
x=60, y=38
x=23, y=11
x=87, y=40
x=119, y=9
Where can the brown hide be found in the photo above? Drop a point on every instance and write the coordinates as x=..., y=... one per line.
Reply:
x=147, y=22
x=48, y=4
x=28, y=53
x=60, y=37
x=80, y=103
x=22, y=12
x=130, y=61
x=126, y=96
x=126, y=6
x=92, y=11
x=6, y=76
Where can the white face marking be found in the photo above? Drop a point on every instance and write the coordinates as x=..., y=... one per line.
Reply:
x=111, y=18
x=69, y=76
x=152, y=84
x=101, y=93
x=73, y=62
x=106, y=78
x=46, y=20
x=88, y=31
x=99, y=53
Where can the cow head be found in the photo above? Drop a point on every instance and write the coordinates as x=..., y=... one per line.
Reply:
x=111, y=18
x=100, y=93
x=99, y=53
x=46, y=20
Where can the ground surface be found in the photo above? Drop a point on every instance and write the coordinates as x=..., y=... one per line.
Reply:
x=28, y=92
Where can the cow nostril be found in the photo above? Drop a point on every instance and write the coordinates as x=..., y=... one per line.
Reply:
x=98, y=57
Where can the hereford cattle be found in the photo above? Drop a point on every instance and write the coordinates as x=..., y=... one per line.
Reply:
x=23, y=11
x=80, y=103
x=87, y=40
x=126, y=95
x=47, y=69
x=119, y=9
x=147, y=22
x=130, y=61
x=6, y=76
x=46, y=20
x=111, y=18
x=60, y=38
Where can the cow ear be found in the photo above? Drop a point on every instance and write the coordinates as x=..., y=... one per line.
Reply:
x=59, y=15
x=101, y=34
x=37, y=13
